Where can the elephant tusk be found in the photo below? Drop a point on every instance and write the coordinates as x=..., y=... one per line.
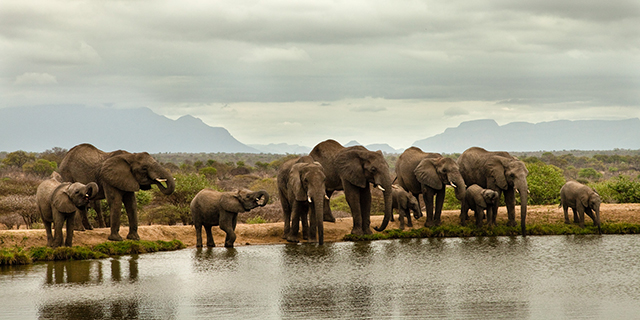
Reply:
x=381, y=188
x=161, y=180
x=453, y=185
x=309, y=199
x=326, y=197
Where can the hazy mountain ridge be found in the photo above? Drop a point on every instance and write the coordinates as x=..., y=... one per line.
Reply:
x=524, y=136
x=41, y=128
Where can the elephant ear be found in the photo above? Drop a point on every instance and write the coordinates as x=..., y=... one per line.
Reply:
x=116, y=172
x=584, y=199
x=351, y=168
x=479, y=198
x=232, y=202
x=295, y=183
x=496, y=170
x=62, y=199
x=426, y=173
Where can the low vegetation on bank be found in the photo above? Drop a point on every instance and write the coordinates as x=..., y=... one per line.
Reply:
x=18, y=256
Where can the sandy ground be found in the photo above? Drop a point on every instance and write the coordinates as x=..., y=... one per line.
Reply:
x=270, y=233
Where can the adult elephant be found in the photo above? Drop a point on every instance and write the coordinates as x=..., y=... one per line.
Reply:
x=352, y=169
x=119, y=174
x=501, y=172
x=302, y=191
x=428, y=174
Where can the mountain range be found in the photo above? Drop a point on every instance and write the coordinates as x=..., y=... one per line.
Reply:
x=40, y=128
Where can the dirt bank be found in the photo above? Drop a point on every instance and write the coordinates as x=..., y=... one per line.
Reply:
x=268, y=233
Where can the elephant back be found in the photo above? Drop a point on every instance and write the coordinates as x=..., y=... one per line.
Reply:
x=82, y=164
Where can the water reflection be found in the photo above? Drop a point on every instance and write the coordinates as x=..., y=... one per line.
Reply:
x=91, y=271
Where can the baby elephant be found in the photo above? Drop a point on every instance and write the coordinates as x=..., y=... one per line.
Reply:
x=58, y=201
x=213, y=208
x=478, y=199
x=404, y=202
x=581, y=199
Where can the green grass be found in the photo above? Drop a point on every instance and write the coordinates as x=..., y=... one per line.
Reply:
x=445, y=231
x=17, y=255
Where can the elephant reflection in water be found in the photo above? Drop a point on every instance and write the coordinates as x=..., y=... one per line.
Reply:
x=83, y=272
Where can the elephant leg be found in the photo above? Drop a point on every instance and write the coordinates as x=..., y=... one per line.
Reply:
x=589, y=212
x=131, y=206
x=295, y=221
x=581, y=214
x=95, y=204
x=352, y=195
x=313, y=223
x=84, y=218
x=327, y=215
x=69, y=240
x=439, y=203
x=418, y=214
x=576, y=219
x=365, y=209
x=464, y=211
x=58, y=223
x=304, y=220
x=227, y=225
x=479, y=213
x=407, y=214
x=286, y=210
x=207, y=230
x=490, y=215
x=565, y=208
x=78, y=224
x=115, y=206
x=401, y=214
x=427, y=195
x=47, y=227
x=510, y=201
x=198, y=227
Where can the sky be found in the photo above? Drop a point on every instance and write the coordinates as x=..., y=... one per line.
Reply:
x=300, y=72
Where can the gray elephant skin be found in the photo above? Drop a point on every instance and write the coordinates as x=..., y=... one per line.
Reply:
x=428, y=174
x=501, y=172
x=58, y=202
x=119, y=174
x=581, y=199
x=214, y=208
x=478, y=199
x=352, y=169
x=302, y=193
x=405, y=202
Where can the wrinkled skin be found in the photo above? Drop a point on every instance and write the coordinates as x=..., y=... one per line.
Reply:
x=302, y=190
x=501, y=172
x=119, y=174
x=353, y=169
x=58, y=202
x=479, y=200
x=428, y=174
x=213, y=208
x=405, y=202
x=581, y=199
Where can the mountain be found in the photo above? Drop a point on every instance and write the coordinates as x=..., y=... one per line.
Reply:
x=281, y=148
x=548, y=136
x=41, y=128
x=375, y=147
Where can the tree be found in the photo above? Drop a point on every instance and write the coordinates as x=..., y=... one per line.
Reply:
x=545, y=182
x=18, y=158
x=40, y=167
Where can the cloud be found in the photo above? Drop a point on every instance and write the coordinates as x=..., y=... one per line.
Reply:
x=455, y=111
x=368, y=109
x=30, y=78
x=292, y=54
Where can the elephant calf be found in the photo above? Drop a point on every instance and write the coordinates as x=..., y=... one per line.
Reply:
x=581, y=199
x=479, y=200
x=213, y=208
x=404, y=202
x=58, y=201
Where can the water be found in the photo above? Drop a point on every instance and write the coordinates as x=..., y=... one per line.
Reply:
x=554, y=277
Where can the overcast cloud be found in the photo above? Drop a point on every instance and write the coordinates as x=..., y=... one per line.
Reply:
x=303, y=71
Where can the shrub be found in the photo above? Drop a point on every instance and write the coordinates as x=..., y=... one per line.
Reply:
x=23, y=205
x=450, y=200
x=187, y=186
x=545, y=182
x=18, y=158
x=589, y=173
x=40, y=167
x=269, y=185
x=209, y=172
x=626, y=190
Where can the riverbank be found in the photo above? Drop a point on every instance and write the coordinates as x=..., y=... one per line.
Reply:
x=271, y=233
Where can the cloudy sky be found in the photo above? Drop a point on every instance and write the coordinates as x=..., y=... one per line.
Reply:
x=300, y=72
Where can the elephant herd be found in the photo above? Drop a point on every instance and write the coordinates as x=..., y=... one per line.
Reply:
x=305, y=185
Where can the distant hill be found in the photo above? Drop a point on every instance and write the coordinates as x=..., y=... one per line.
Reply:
x=41, y=128
x=281, y=148
x=549, y=136
x=375, y=147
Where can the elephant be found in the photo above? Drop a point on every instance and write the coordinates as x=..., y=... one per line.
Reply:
x=214, y=208
x=405, y=202
x=352, y=169
x=581, y=199
x=501, y=172
x=302, y=190
x=58, y=201
x=428, y=174
x=119, y=174
x=479, y=200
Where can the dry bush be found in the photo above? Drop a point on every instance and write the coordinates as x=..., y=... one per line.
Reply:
x=271, y=213
x=24, y=205
x=12, y=219
x=15, y=182
x=237, y=182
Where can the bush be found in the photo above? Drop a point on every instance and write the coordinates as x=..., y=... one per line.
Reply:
x=589, y=173
x=187, y=186
x=545, y=182
x=209, y=172
x=450, y=200
x=256, y=220
x=625, y=189
x=23, y=205
x=270, y=185
x=40, y=167
x=18, y=158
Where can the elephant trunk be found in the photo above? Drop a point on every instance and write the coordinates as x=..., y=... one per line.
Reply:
x=388, y=210
x=318, y=205
x=165, y=178
x=262, y=195
x=457, y=182
x=523, y=189
x=597, y=212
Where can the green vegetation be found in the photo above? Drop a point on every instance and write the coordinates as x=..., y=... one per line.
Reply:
x=256, y=220
x=453, y=230
x=16, y=256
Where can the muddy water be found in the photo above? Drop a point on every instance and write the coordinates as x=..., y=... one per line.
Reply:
x=555, y=277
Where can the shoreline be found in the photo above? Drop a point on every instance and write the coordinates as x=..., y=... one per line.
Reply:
x=271, y=233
